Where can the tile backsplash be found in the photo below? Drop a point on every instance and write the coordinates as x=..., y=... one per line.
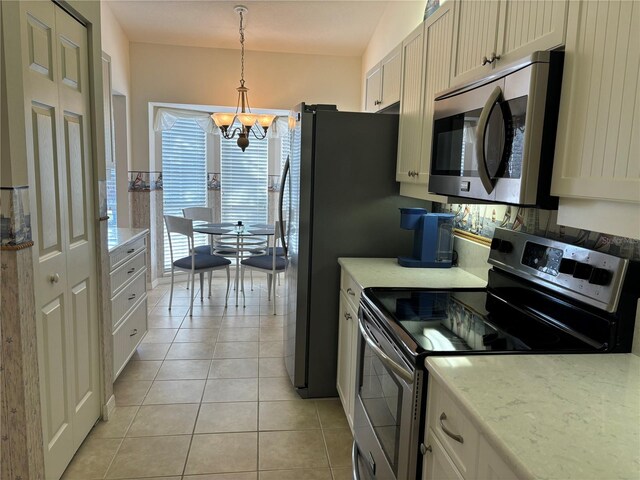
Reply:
x=482, y=220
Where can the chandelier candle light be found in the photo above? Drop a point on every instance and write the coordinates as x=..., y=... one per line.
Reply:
x=247, y=120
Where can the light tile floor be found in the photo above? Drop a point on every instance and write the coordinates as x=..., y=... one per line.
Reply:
x=207, y=397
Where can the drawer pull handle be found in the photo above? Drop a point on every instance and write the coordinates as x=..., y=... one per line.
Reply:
x=133, y=295
x=134, y=333
x=351, y=292
x=129, y=272
x=131, y=250
x=455, y=436
x=347, y=316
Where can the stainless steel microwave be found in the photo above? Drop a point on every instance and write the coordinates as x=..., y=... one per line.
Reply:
x=494, y=139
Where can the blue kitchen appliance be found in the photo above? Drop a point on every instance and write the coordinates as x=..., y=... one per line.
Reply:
x=432, y=240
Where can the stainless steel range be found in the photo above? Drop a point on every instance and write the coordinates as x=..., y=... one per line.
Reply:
x=543, y=296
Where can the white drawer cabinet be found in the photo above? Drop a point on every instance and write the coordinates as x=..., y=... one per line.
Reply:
x=128, y=299
x=348, y=344
x=454, y=448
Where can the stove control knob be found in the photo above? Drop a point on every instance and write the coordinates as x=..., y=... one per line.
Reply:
x=495, y=243
x=567, y=266
x=600, y=276
x=582, y=271
x=505, y=247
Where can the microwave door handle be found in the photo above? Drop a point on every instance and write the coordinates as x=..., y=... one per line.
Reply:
x=388, y=361
x=481, y=131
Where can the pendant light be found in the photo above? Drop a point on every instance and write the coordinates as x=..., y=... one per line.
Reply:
x=249, y=122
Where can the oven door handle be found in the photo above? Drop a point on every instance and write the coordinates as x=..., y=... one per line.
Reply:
x=483, y=168
x=354, y=461
x=388, y=361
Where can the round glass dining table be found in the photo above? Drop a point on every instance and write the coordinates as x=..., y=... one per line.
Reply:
x=242, y=234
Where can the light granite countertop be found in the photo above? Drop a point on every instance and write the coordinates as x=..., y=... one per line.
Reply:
x=385, y=272
x=552, y=416
x=119, y=236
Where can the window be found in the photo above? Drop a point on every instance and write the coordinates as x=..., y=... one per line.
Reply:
x=243, y=181
x=184, y=178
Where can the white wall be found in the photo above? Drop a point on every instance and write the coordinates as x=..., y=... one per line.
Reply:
x=208, y=76
x=116, y=44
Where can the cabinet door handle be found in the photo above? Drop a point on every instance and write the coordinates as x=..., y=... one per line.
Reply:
x=485, y=61
x=133, y=295
x=351, y=292
x=377, y=102
x=455, y=436
x=347, y=316
x=494, y=58
x=130, y=271
x=425, y=448
x=131, y=250
x=134, y=332
x=54, y=278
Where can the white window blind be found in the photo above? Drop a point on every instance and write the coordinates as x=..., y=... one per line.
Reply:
x=243, y=181
x=184, y=175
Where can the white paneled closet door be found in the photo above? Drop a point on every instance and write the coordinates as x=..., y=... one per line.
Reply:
x=55, y=59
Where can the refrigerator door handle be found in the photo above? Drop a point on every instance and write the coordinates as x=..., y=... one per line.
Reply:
x=283, y=181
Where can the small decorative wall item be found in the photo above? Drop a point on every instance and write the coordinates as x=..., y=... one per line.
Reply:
x=432, y=6
x=145, y=181
x=274, y=183
x=15, y=216
x=213, y=181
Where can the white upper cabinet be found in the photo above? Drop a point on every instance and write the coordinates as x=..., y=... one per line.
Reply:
x=426, y=55
x=492, y=33
x=597, y=159
x=383, y=82
x=438, y=40
x=598, y=143
x=529, y=26
x=391, y=73
x=410, y=126
x=373, y=86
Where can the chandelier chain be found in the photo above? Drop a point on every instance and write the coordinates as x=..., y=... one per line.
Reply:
x=241, y=49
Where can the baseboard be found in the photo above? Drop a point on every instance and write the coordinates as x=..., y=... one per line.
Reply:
x=107, y=410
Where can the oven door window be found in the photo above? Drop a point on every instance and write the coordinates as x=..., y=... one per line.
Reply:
x=381, y=394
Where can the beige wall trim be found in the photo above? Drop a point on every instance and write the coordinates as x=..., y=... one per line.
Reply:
x=22, y=450
x=470, y=236
x=12, y=248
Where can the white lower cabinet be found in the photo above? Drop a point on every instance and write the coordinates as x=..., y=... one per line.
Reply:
x=348, y=344
x=437, y=464
x=128, y=300
x=454, y=447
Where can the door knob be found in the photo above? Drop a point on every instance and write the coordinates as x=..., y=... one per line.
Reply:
x=54, y=278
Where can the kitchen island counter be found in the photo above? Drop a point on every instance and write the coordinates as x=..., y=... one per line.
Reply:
x=385, y=272
x=552, y=416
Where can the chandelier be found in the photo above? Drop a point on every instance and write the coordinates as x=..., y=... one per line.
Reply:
x=224, y=121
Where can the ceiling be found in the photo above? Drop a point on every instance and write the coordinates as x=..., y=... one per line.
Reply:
x=327, y=27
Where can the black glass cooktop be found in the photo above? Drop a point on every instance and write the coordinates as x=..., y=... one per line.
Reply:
x=468, y=320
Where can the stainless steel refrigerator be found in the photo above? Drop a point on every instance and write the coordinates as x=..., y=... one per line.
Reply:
x=339, y=198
